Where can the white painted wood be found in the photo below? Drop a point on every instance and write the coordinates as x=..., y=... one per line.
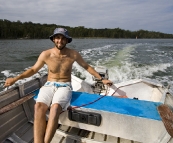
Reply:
x=171, y=140
x=78, y=138
x=112, y=139
x=99, y=137
x=57, y=138
x=125, y=141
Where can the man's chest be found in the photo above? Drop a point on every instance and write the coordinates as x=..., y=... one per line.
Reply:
x=57, y=64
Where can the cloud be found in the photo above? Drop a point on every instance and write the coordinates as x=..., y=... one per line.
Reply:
x=152, y=15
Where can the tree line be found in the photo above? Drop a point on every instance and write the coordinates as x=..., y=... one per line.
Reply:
x=29, y=30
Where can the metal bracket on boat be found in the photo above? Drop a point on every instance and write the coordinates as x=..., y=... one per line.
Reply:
x=99, y=86
x=85, y=117
x=25, y=104
x=21, y=90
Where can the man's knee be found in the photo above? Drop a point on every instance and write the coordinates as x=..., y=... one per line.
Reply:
x=56, y=108
x=40, y=107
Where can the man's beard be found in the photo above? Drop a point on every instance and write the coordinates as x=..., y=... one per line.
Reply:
x=60, y=48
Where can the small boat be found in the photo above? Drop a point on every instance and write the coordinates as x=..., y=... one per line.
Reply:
x=133, y=111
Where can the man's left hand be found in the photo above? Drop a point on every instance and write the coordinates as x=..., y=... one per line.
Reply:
x=107, y=82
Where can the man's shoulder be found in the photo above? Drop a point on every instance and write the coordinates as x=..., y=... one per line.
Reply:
x=46, y=52
x=71, y=51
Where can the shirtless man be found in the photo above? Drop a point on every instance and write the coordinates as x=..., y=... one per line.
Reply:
x=57, y=90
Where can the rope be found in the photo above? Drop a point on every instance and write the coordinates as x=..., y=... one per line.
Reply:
x=74, y=107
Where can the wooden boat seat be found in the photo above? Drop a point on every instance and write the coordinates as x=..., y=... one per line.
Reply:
x=145, y=109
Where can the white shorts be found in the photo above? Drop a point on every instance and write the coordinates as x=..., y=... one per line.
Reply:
x=55, y=92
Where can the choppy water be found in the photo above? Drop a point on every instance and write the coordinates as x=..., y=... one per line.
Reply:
x=124, y=58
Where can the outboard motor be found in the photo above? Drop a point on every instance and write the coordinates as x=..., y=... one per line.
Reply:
x=99, y=86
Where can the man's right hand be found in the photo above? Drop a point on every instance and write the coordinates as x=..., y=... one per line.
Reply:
x=9, y=82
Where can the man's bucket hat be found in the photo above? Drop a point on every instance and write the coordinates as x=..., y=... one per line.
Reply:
x=62, y=31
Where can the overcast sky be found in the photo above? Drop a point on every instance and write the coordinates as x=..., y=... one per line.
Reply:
x=151, y=15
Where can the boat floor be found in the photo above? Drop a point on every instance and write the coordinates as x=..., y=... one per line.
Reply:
x=66, y=134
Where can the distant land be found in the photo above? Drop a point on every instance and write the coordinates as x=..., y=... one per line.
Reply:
x=29, y=30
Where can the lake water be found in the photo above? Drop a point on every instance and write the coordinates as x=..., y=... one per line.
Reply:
x=124, y=58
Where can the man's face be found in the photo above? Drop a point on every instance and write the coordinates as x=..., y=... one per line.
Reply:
x=60, y=41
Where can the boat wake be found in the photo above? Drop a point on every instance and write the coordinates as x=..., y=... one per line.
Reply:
x=122, y=61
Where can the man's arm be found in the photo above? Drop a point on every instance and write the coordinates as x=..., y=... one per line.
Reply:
x=38, y=65
x=91, y=70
